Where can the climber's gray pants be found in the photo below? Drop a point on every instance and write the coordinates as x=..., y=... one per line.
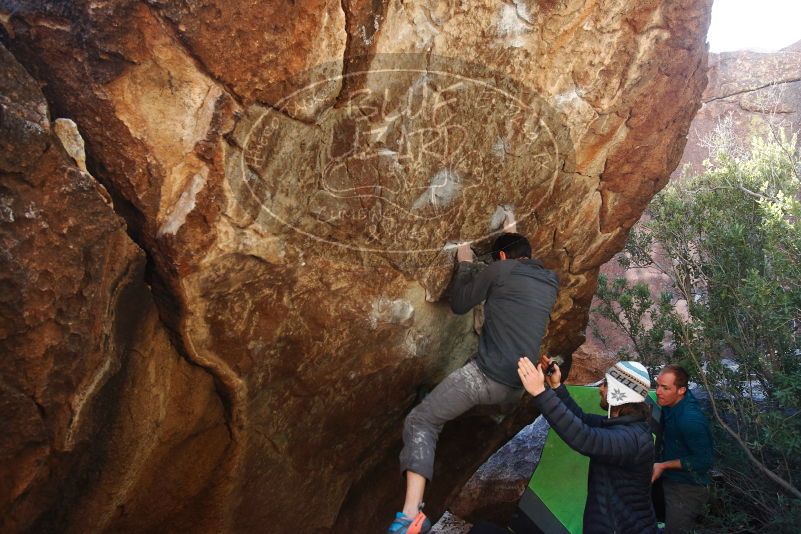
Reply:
x=461, y=390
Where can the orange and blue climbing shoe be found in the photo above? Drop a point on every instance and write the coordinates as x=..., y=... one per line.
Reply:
x=404, y=524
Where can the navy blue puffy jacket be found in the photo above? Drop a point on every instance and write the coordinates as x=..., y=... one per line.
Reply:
x=621, y=452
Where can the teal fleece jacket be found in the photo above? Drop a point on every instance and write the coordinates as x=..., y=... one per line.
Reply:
x=686, y=436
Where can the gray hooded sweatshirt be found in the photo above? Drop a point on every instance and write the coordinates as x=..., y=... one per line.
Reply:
x=519, y=295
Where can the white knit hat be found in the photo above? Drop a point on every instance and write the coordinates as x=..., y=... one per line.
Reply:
x=627, y=382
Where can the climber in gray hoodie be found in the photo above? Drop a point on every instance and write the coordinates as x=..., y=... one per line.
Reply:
x=519, y=294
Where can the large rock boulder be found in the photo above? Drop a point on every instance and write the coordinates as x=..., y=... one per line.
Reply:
x=292, y=172
x=103, y=418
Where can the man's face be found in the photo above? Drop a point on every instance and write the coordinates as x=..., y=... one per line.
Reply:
x=602, y=393
x=667, y=394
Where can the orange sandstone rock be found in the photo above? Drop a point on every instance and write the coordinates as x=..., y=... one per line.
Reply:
x=292, y=173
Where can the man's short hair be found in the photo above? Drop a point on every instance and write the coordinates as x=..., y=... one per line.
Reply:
x=682, y=377
x=513, y=245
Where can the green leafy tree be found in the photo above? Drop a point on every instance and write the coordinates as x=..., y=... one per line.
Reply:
x=729, y=242
x=633, y=311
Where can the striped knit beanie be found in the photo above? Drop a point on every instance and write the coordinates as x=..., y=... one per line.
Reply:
x=627, y=382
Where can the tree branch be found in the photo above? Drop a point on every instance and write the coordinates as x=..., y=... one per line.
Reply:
x=759, y=465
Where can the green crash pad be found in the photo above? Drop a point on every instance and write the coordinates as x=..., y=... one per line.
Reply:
x=555, y=496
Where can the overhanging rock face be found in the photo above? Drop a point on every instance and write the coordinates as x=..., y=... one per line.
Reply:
x=292, y=172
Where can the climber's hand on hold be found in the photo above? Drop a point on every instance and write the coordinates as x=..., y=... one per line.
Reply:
x=509, y=222
x=464, y=253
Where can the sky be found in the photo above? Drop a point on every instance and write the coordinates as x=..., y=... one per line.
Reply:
x=759, y=25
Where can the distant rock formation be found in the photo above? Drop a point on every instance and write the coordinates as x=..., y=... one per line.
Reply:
x=241, y=359
x=749, y=92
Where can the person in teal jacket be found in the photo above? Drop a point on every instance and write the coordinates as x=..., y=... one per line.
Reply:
x=685, y=454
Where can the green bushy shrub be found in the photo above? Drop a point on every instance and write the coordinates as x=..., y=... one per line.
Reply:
x=728, y=243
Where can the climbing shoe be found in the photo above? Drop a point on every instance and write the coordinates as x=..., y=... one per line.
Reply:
x=403, y=524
